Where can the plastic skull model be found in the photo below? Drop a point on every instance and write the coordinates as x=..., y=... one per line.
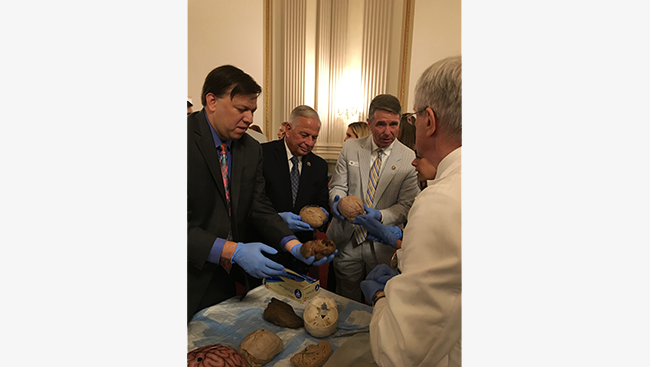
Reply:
x=321, y=316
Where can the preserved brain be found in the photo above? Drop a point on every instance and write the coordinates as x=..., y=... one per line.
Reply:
x=313, y=215
x=282, y=314
x=317, y=248
x=259, y=347
x=350, y=207
x=313, y=355
x=215, y=355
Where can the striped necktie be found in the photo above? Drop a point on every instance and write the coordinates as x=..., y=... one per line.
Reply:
x=223, y=162
x=360, y=232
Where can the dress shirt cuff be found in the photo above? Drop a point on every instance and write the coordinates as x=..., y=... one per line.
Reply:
x=215, y=252
x=286, y=239
x=215, y=255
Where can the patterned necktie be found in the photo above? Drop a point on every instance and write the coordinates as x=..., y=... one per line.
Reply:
x=295, y=180
x=360, y=233
x=223, y=162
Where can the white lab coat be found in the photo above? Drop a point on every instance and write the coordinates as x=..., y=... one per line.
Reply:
x=418, y=323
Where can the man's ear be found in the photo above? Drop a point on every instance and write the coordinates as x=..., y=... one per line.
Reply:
x=287, y=128
x=431, y=124
x=211, y=102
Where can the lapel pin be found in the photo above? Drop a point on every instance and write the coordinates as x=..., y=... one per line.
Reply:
x=393, y=168
x=309, y=164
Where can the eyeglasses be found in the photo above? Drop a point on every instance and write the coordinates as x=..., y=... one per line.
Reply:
x=411, y=117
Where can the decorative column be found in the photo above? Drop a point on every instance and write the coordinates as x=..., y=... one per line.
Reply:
x=294, y=28
x=377, y=18
x=332, y=43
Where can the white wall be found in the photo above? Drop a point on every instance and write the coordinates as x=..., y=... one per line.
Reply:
x=436, y=35
x=232, y=32
x=225, y=32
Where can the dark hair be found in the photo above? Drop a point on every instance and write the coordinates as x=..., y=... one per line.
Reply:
x=221, y=79
x=256, y=128
x=406, y=133
x=384, y=102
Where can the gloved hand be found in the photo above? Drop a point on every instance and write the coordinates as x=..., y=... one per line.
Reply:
x=327, y=215
x=294, y=222
x=325, y=260
x=376, y=281
x=377, y=231
x=249, y=256
x=335, y=207
x=372, y=212
x=295, y=251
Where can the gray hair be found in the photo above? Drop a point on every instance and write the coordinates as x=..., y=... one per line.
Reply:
x=441, y=88
x=303, y=111
x=385, y=102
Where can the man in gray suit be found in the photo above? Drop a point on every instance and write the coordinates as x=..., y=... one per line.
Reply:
x=376, y=169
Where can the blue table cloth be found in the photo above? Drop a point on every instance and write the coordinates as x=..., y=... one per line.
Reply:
x=230, y=321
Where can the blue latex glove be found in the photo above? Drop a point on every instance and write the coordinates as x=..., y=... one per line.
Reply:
x=335, y=207
x=325, y=260
x=295, y=251
x=249, y=256
x=294, y=222
x=374, y=213
x=377, y=231
x=327, y=215
x=376, y=281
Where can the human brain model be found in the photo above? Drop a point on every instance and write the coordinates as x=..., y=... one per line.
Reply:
x=350, y=207
x=318, y=249
x=260, y=346
x=313, y=215
x=215, y=355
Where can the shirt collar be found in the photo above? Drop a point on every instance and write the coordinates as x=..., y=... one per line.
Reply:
x=449, y=163
x=374, y=147
x=289, y=154
x=215, y=136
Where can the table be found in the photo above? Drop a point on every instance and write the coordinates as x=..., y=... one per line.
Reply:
x=230, y=321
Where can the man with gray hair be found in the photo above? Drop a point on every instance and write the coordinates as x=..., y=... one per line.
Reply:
x=416, y=319
x=377, y=170
x=295, y=177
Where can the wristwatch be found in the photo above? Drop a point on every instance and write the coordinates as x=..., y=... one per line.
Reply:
x=377, y=296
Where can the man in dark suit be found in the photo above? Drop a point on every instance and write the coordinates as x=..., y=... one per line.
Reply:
x=310, y=188
x=226, y=197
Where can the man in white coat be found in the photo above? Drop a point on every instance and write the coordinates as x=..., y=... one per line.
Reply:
x=376, y=169
x=416, y=319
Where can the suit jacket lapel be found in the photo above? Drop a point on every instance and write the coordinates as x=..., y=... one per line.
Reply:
x=282, y=164
x=386, y=173
x=364, y=169
x=209, y=151
x=305, y=176
x=238, y=160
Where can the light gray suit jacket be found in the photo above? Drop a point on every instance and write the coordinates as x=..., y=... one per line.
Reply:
x=397, y=188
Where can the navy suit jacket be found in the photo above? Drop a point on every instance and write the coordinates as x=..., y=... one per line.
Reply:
x=207, y=210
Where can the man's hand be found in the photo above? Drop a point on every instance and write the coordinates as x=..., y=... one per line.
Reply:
x=376, y=281
x=335, y=207
x=249, y=256
x=295, y=251
x=372, y=212
x=377, y=231
x=327, y=215
x=294, y=222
